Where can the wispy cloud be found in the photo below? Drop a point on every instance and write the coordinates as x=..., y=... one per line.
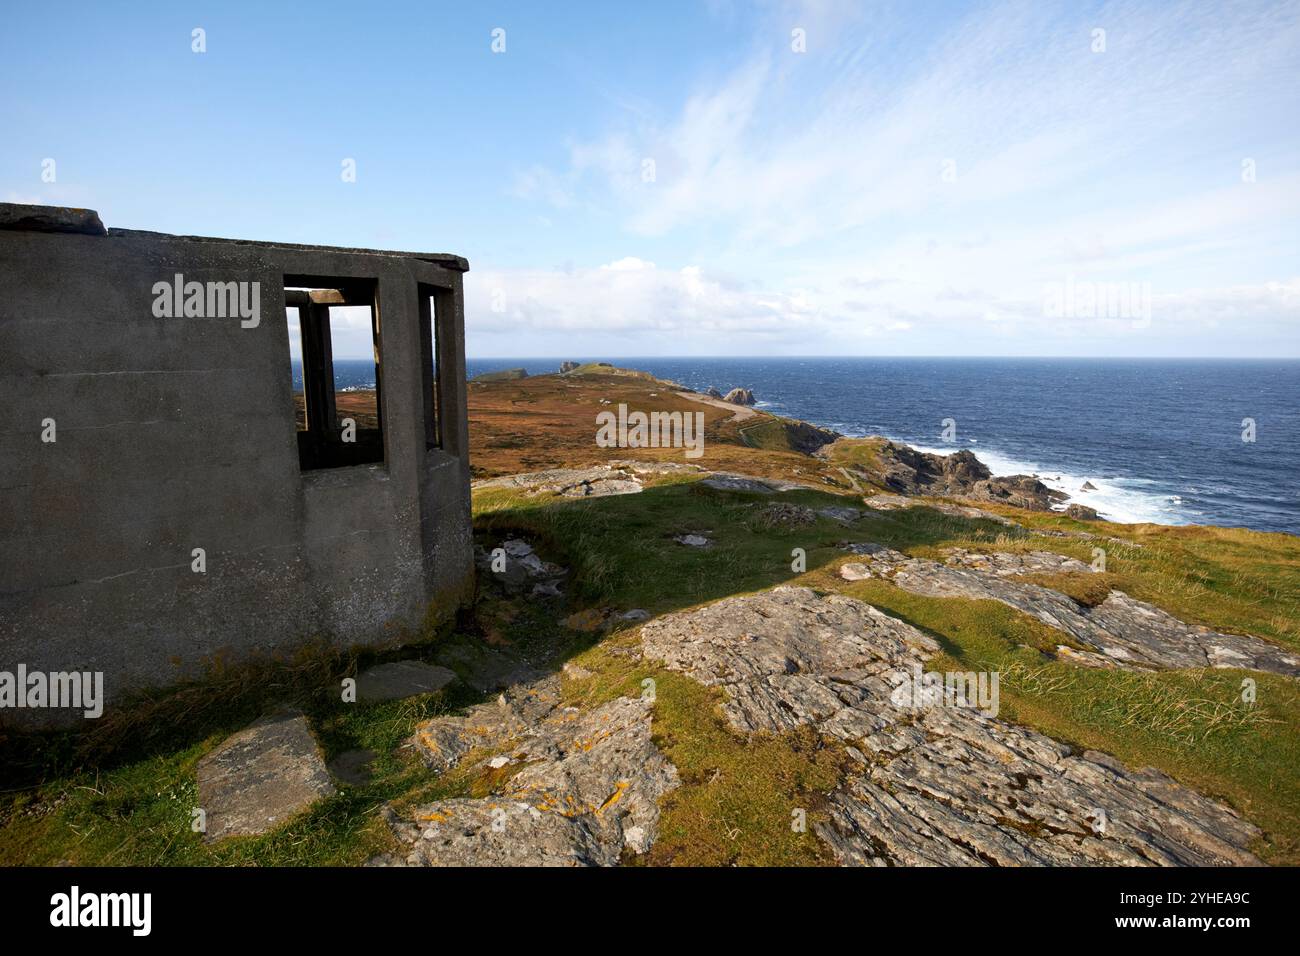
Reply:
x=950, y=167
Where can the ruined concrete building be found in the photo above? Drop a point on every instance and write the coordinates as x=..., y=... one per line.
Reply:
x=170, y=495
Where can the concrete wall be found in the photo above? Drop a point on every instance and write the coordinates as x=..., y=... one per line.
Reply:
x=179, y=433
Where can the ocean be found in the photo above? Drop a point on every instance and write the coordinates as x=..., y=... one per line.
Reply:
x=1161, y=440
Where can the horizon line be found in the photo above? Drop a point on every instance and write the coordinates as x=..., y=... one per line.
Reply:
x=1090, y=358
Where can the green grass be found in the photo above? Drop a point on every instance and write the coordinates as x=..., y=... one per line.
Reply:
x=862, y=453
x=769, y=434
x=737, y=795
x=139, y=813
x=599, y=368
x=1191, y=724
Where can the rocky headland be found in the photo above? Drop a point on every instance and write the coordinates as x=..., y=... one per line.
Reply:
x=698, y=662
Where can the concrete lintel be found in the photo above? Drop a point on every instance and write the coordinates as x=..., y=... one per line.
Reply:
x=445, y=259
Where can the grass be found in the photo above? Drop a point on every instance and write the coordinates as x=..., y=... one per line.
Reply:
x=860, y=453
x=1087, y=588
x=139, y=813
x=125, y=795
x=738, y=797
x=1192, y=725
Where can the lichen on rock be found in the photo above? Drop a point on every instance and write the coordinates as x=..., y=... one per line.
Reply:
x=935, y=785
x=586, y=791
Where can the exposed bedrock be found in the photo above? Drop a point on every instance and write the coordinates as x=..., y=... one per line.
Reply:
x=586, y=785
x=961, y=474
x=1127, y=631
x=940, y=785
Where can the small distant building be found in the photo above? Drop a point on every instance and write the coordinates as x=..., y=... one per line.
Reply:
x=169, y=493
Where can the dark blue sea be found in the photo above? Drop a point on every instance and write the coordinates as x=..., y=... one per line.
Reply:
x=1160, y=439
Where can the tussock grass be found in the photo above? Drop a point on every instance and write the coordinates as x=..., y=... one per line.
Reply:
x=1143, y=699
x=1086, y=587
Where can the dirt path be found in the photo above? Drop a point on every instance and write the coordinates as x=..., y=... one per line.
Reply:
x=739, y=412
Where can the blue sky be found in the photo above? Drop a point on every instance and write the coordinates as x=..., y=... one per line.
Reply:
x=678, y=179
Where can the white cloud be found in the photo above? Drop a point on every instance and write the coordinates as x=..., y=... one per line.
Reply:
x=633, y=307
x=818, y=178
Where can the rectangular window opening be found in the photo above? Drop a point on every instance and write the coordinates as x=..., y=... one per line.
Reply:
x=433, y=302
x=337, y=380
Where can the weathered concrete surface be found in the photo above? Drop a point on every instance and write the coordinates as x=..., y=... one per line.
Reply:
x=51, y=219
x=401, y=679
x=587, y=787
x=262, y=776
x=933, y=785
x=179, y=433
x=1130, y=632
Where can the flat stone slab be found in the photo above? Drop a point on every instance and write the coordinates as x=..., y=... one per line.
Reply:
x=855, y=571
x=401, y=679
x=260, y=777
x=931, y=783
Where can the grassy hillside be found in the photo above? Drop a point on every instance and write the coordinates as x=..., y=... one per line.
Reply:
x=125, y=797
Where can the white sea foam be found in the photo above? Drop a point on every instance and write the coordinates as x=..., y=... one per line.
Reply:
x=1123, y=499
